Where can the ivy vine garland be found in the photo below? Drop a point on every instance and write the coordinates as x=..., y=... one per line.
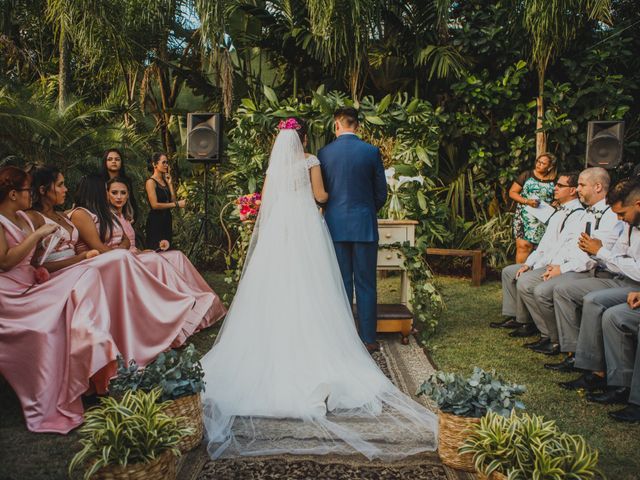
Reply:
x=426, y=302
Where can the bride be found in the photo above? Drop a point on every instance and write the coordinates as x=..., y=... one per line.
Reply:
x=288, y=372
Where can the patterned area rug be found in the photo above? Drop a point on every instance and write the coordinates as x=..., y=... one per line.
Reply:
x=407, y=366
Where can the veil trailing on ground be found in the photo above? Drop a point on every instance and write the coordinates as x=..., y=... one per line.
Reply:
x=288, y=372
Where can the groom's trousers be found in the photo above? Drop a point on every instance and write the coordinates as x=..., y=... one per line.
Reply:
x=358, y=262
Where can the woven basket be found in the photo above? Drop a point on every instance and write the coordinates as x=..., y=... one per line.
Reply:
x=453, y=432
x=493, y=476
x=162, y=468
x=189, y=407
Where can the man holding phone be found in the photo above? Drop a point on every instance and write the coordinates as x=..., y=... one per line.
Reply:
x=617, y=274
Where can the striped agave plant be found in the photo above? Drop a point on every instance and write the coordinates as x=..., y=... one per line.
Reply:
x=133, y=429
x=524, y=447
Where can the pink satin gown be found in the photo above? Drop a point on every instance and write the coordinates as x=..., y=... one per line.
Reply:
x=147, y=315
x=54, y=339
x=173, y=268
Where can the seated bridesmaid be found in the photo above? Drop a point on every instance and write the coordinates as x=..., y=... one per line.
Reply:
x=155, y=296
x=113, y=166
x=118, y=193
x=55, y=338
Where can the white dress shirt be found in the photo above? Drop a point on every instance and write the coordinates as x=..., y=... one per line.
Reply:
x=624, y=257
x=607, y=229
x=557, y=235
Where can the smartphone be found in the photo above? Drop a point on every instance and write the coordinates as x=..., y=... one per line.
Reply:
x=587, y=228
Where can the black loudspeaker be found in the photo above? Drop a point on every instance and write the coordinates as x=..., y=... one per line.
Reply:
x=604, y=144
x=204, y=137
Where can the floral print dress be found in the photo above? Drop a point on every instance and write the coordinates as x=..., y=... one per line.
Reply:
x=525, y=225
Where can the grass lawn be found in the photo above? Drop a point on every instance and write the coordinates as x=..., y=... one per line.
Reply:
x=464, y=340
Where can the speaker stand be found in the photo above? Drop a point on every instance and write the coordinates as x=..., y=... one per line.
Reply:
x=203, y=230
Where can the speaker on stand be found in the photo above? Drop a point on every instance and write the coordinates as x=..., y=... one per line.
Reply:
x=204, y=145
x=604, y=144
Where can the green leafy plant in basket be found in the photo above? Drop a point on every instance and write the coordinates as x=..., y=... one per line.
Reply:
x=526, y=446
x=472, y=396
x=127, y=432
x=177, y=372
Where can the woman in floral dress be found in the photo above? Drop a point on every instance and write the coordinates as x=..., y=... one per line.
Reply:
x=529, y=189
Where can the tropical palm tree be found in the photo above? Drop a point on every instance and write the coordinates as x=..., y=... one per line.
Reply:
x=552, y=25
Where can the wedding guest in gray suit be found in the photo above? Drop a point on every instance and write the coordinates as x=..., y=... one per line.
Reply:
x=555, y=237
x=621, y=269
x=620, y=326
x=568, y=263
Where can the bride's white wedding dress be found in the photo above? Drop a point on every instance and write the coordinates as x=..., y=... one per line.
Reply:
x=288, y=372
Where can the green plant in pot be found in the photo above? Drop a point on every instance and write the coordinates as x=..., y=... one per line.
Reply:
x=179, y=375
x=462, y=401
x=525, y=446
x=132, y=434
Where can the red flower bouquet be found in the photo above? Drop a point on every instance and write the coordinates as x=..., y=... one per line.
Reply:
x=248, y=206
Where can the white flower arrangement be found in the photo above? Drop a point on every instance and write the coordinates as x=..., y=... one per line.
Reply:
x=396, y=211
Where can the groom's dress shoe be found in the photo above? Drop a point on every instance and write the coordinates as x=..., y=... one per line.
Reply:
x=372, y=347
x=508, y=323
x=566, y=365
x=630, y=413
x=587, y=381
x=610, y=396
x=524, y=330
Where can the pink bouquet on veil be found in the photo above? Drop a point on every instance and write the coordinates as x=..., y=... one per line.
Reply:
x=248, y=206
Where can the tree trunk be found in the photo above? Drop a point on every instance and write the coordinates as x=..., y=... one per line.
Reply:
x=295, y=82
x=541, y=137
x=63, y=69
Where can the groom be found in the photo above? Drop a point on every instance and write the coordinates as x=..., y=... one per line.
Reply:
x=354, y=179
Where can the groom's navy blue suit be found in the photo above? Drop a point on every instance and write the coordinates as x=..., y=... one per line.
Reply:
x=354, y=179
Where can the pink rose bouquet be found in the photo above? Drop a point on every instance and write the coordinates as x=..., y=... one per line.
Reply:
x=248, y=206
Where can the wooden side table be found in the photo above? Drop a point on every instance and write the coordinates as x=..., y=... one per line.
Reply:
x=396, y=317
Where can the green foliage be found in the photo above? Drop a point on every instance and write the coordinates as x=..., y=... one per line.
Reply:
x=526, y=446
x=426, y=302
x=482, y=392
x=131, y=430
x=177, y=373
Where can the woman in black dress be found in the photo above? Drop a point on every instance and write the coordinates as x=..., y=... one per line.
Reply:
x=162, y=199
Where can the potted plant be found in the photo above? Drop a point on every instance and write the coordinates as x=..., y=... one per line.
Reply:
x=462, y=401
x=179, y=375
x=521, y=447
x=127, y=438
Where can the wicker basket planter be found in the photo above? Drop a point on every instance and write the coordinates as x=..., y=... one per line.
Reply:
x=493, y=476
x=189, y=407
x=453, y=431
x=162, y=468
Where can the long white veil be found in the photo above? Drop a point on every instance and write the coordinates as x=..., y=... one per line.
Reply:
x=288, y=372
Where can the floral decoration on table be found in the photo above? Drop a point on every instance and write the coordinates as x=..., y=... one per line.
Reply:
x=426, y=302
x=248, y=206
x=395, y=209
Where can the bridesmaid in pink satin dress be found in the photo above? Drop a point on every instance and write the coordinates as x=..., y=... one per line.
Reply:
x=54, y=336
x=98, y=228
x=118, y=194
x=147, y=316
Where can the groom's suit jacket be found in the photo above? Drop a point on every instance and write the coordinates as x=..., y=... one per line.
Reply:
x=354, y=178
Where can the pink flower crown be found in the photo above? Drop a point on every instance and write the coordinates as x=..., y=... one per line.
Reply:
x=289, y=124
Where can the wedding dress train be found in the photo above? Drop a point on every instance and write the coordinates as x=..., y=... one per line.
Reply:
x=288, y=372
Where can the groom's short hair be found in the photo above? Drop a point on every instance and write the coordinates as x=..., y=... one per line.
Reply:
x=348, y=116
